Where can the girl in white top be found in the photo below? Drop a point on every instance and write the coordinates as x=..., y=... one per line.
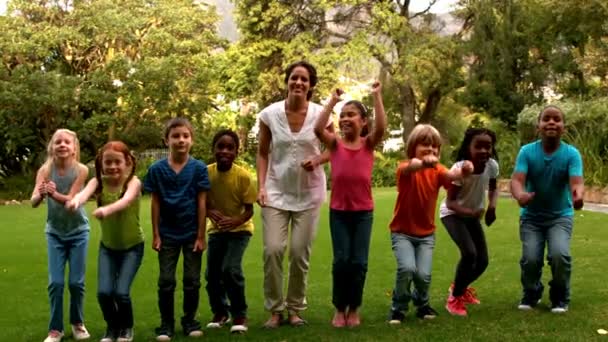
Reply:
x=291, y=190
x=462, y=211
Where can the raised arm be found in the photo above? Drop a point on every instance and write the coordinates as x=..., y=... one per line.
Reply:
x=132, y=193
x=83, y=196
x=380, y=116
x=261, y=161
x=327, y=137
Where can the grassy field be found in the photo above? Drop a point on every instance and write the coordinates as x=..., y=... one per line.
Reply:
x=24, y=303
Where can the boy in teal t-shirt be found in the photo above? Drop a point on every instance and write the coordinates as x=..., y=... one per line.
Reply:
x=548, y=184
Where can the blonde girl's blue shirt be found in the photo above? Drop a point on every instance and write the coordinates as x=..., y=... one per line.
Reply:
x=178, y=195
x=60, y=221
x=548, y=176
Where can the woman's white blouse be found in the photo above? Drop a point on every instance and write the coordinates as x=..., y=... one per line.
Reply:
x=288, y=185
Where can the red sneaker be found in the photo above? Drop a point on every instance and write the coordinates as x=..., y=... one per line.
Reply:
x=455, y=306
x=470, y=296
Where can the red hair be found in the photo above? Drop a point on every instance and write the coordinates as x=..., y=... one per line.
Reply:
x=120, y=147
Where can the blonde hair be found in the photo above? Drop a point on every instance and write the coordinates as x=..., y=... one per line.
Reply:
x=46, y=167
x=422, y=134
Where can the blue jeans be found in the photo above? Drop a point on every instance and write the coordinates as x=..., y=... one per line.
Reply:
x=61, y=250
x=115, y=273
x=534, y=236
x=224, y=274
x=168, y=256
x=414, y=264
x=350, y=236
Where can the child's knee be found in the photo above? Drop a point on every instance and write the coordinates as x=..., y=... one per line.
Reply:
x=406, y=270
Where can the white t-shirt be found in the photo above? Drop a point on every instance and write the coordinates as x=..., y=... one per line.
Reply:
x=473, y=188
x=288, y=185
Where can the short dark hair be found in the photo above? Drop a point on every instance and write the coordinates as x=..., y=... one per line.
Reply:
x=540, y=115
x=312, y=75
x=178, y=122
x=228, y=132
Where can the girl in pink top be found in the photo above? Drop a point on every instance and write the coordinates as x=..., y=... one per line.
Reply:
x=351, y=206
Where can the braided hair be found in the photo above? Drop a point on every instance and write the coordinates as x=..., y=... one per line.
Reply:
x=464, y=151
x=120, y=147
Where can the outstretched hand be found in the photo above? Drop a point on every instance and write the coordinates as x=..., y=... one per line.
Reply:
x=376, y=87
x=336, y=95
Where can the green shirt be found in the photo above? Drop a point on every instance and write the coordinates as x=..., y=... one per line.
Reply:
x=120, y=230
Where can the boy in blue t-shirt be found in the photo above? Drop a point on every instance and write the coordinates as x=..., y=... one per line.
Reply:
x=547, y=183
x=178, y=185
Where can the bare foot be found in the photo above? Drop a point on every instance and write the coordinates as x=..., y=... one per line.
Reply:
x=353, y=319
x=274, y=321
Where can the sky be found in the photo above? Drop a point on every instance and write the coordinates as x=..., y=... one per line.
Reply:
x=442, y=6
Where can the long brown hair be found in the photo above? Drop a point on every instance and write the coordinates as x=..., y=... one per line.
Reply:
x=119, y=147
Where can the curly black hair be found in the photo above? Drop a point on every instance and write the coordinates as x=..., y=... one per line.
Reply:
x=312, y=75
x=228, y=132
x=463, y=151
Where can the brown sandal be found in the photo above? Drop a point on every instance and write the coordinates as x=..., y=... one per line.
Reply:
x=274, y=321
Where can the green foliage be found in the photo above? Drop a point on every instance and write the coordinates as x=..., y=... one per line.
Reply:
x=106, y=69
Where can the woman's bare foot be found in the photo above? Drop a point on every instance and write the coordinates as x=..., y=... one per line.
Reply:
x=339, y=320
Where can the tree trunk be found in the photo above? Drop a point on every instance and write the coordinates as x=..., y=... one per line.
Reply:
x=408, y=111
x=430, y=107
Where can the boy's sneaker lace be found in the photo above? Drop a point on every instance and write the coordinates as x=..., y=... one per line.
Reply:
x=54, y=336
x=426, y=312
x=239, y=325
x=218, y=321
x=79, y=332
x=395, y=317
x=125, y=335
x=455, y=305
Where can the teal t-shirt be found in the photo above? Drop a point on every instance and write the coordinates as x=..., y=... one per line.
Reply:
x=120, y=230
x=548, y=176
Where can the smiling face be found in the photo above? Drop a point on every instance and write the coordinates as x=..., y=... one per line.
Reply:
x=298, y=83
x=351, y=121
x=551, y=123
x=179, y=140
x=63, y=146
x=114, y=165
x=480, y=149
x=225, y=151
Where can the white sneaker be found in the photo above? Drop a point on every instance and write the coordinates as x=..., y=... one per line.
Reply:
x=80, y=332
x=525, y=306
x=54, y=336
x=559, y=309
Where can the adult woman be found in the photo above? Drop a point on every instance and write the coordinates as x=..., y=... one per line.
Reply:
x=291, y=190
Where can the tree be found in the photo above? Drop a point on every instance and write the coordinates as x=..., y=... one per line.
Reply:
x=108, y=69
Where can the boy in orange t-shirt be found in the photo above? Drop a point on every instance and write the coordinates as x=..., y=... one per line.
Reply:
x=413, y=226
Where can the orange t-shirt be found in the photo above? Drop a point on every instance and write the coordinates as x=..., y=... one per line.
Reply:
x=417, y=198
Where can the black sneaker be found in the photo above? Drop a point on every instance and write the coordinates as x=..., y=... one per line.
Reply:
x=395, y=317
x=192, y=328
x=527, y=303
x=426, y=312
x=164, y=333
x=125, y=335
x=110, y=335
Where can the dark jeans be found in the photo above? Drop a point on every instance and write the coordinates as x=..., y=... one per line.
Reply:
x=556, y=235
x=168, y=256
x=350, y=236
x=116, y=271
x=224, y=274
x=468, y=235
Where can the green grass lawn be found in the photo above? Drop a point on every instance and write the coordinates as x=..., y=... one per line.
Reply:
x=24, y=304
